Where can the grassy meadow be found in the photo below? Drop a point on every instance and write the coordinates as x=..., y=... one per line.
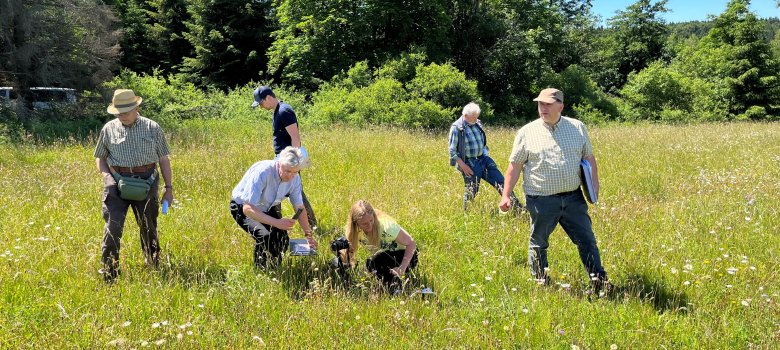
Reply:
x=687, y=224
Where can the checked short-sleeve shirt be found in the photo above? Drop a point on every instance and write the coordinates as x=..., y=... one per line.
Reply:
x=130, y=146
x=474, y=142
x=550, y=156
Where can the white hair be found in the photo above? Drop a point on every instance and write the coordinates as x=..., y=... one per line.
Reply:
x=293, y=157
x=471, y=108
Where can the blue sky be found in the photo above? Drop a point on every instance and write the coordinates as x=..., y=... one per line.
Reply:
x=686, y=10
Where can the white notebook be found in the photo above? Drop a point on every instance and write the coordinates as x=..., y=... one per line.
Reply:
x=300, y=247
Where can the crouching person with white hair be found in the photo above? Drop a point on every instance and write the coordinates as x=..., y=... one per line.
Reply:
x=255, y=199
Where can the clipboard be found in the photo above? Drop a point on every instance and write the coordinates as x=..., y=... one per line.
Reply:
x=586, y=177
x=300, y=247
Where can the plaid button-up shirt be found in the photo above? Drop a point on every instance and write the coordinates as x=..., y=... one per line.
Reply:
x=550, y=156
x=131, y=146
x=474, y=145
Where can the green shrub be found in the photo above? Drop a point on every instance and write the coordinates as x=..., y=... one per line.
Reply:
x=403, y=69
x=10, y=126
x=674, y=116
x=421, y=113
x=664, y=93
x=328, y=105
x=166, y=100
x=581, y=95
x=431, y=98
x=710, y=99
x=588, y=114
x=443, y=84
x=753, y=113
x=654, y=89
x=357, y=77
x=375, y=103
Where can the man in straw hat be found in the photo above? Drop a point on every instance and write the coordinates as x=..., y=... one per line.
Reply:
x=130, y=146
x=548, y=151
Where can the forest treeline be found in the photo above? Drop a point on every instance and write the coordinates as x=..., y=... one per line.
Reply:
x=407, y=62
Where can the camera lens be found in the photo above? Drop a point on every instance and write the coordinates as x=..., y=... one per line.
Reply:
x=339, y=244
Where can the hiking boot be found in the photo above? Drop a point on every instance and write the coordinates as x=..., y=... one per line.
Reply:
x=153, y=261
x=275, y=261
x=109, y=274
x=542, y=281
x=261, y=261
x=601, y=286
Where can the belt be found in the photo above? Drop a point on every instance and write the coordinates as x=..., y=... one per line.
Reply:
x=134, y=170
x=565, y=193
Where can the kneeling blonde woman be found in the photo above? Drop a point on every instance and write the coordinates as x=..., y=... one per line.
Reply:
x=394, y=251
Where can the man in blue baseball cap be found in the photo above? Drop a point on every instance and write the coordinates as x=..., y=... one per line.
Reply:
x=285, y=131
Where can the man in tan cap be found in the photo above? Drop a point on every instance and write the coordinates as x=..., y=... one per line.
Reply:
x=548, y=151
x=128, y=150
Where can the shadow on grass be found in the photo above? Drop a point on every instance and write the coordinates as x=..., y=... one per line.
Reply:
x=651, y=291
x=302, y=277
x=190, y=273
x=636, y=286
x=317, y=276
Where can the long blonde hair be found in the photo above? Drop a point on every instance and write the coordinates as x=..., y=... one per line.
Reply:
x=360, y=209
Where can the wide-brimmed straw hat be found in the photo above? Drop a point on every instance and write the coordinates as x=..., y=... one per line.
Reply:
x=124, y=101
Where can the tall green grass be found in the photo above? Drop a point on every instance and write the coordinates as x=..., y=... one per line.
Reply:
x=687, y=224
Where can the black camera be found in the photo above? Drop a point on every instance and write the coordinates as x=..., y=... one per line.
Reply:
x=339, y=244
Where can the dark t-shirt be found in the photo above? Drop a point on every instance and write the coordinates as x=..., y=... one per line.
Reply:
x=284, y=116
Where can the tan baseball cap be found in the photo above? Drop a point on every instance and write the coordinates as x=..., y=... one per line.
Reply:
x=550, y=95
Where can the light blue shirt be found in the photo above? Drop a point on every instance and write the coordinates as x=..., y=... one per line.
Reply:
x=262, y=187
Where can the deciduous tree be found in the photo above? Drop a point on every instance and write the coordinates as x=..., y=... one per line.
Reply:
x=635, y=39
x=68, y=43
x=318, y=39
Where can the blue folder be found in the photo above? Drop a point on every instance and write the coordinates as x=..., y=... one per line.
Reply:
x=586, y=175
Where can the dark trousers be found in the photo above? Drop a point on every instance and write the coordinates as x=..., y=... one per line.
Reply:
x=307, y=205
x=114, y=213
x=381, y=264
x=571, y=211
x=484, y=168
x=269, y=241
x=309, y=210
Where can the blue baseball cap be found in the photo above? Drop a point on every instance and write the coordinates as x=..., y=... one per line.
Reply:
x=260, y=94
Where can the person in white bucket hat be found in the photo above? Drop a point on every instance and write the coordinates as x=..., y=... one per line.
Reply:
x=131, y=146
